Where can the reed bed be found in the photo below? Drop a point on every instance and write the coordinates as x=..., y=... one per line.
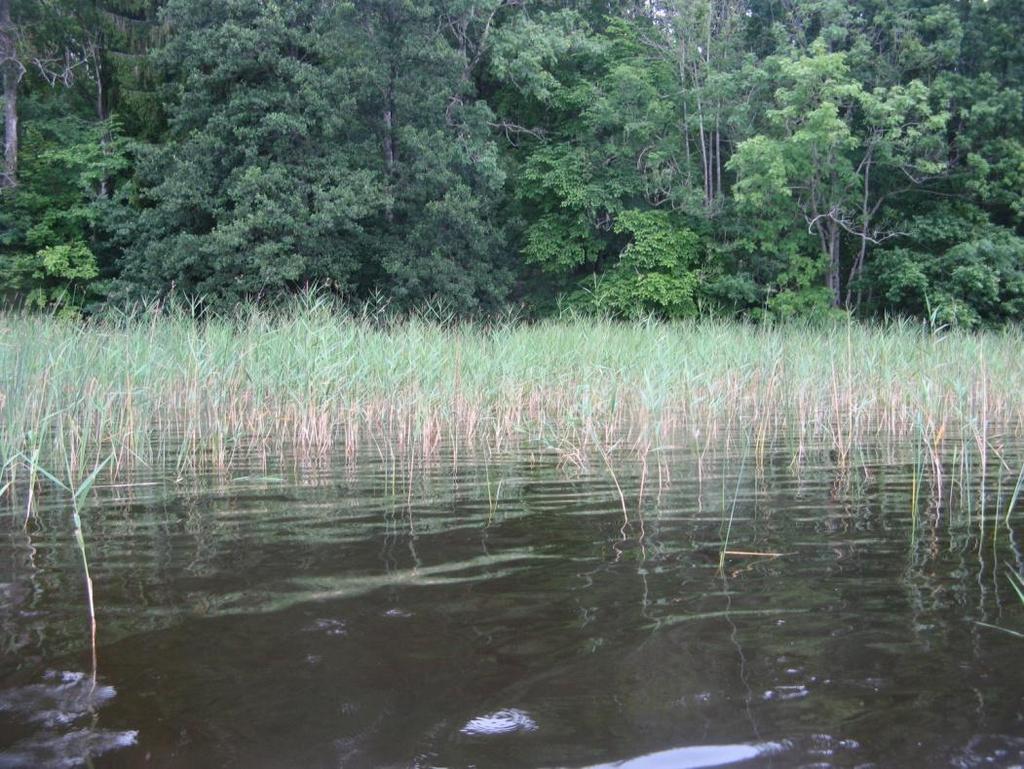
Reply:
x=164, y=389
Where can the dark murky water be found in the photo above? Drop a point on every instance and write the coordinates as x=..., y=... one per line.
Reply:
x=510, y=615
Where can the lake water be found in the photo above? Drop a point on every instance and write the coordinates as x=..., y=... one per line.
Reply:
x=511, y=614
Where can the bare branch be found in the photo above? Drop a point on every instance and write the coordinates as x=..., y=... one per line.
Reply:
x=510, y=129
x=56, y=69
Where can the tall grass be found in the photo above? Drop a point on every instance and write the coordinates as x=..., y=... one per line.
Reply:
x=161, y=389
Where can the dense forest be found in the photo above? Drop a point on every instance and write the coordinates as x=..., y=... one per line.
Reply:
x=748, y=158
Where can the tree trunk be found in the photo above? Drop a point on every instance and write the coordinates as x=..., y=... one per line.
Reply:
x=390, y=143
x=11, y=76
x=389, y=137
x=828, y=233
x=705, y=160
x=10, y=175
x=866, y=214
x=834, y=280
x=718, y=151
x=855, y=271
x=686, y=116
x=101, y=115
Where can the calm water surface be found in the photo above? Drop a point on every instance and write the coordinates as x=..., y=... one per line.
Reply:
x=510, y=614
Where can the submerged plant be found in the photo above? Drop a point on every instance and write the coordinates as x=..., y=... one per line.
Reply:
x=1013, y=499
x=78, y=492
x=1017, y=583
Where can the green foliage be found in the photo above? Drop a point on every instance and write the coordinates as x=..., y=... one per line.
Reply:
x=422, y=131
x=54, y=223
x=957, y=269
x=254, y=188
x=589, y=210
x=831, y=154
x=658, y=272
x=671, y=158
x=658, y=243
x=274, y=175
x=560, y=243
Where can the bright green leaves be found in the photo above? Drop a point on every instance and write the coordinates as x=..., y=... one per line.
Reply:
x=832, y=156
x=525, y=53
x=657, y=243
x=560, y=244
x=797, y=181
x=763, y=173
x=562, y=177
x=623, y=294
x=61, y=275
x=73, y=261
x=55, y=222
x=658, y=271
x=805, y=157
x=588, y=188
x=904, y=131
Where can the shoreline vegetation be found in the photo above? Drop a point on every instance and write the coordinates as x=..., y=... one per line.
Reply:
x=110, y=404
x=163, y=390
x=801, y=158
